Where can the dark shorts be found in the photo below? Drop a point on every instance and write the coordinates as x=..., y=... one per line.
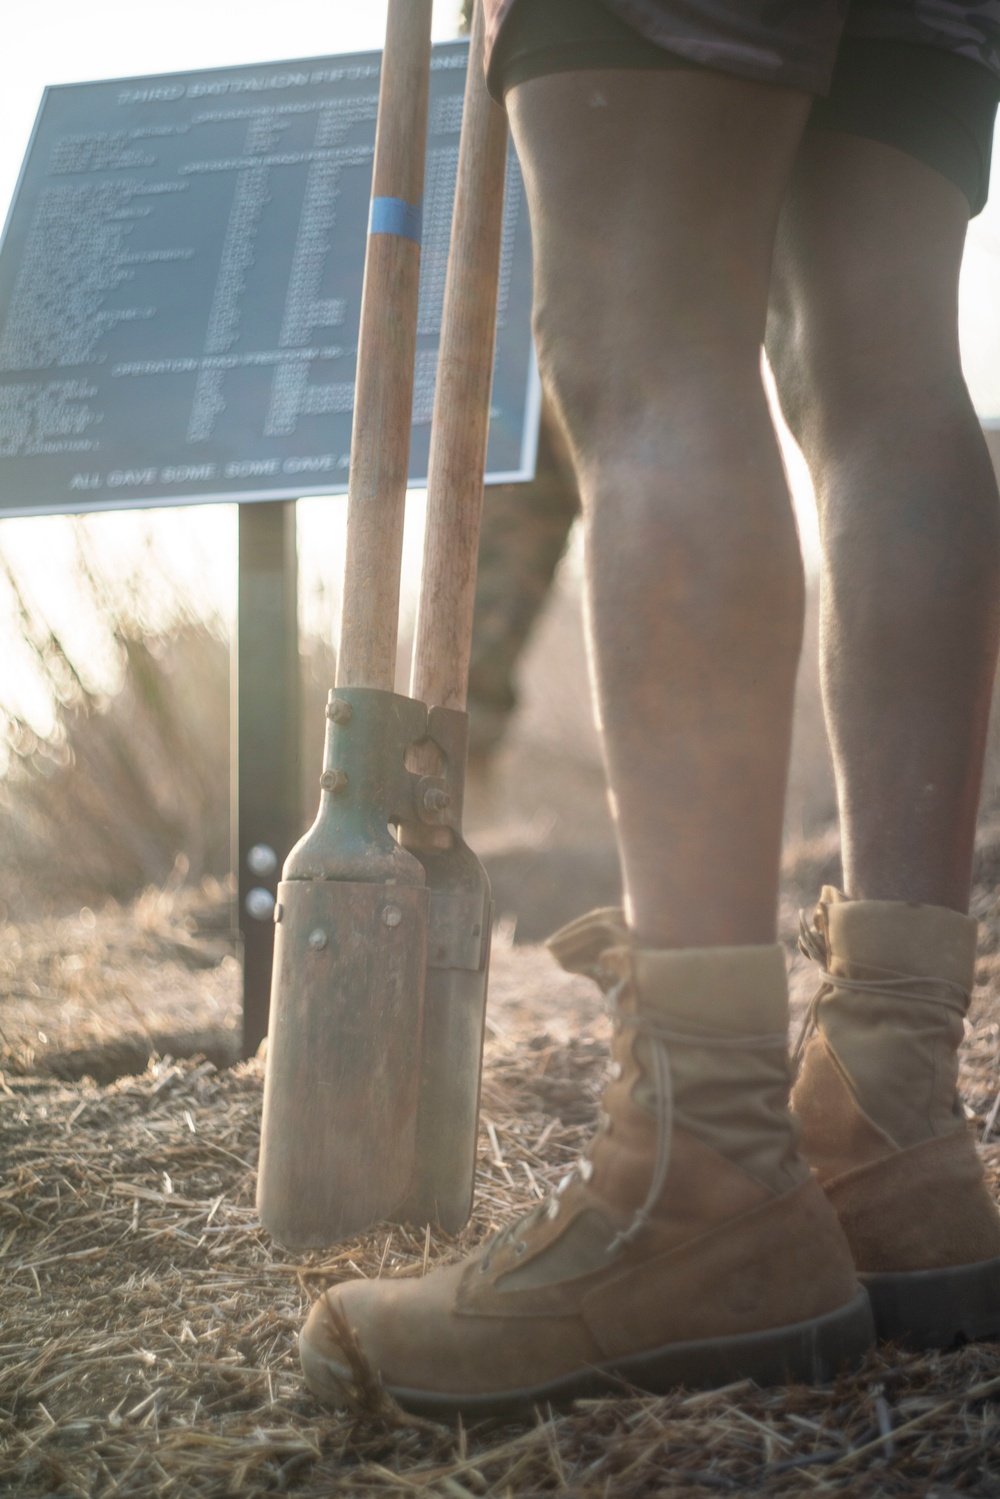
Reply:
x=923, y=76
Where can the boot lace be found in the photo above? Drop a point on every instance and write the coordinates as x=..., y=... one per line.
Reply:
x=945, y=993
x=661, y=1038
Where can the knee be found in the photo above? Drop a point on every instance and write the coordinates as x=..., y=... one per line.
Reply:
x=811, y=362
x=623, y=378
x=583, y=381
x=848, y=372
x=794, y=378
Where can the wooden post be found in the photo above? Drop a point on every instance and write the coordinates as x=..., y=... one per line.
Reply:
x=383, y=398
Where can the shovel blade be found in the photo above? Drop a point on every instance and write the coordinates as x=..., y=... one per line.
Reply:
x=454, y=1017
x=342, y=1083
x=458, y=953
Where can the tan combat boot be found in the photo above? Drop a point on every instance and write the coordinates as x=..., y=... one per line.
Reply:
x=690, y=1246
x=882, y=1124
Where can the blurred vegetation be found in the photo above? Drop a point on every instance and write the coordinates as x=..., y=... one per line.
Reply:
x=130, y=786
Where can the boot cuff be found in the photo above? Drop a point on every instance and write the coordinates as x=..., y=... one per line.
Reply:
x=741, y=990
x=922, y=941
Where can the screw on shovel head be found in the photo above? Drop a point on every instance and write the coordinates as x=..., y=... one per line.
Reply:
x=341, y=1090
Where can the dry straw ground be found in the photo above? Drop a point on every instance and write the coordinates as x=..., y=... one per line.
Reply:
x=147, y=1337
x=149, y=1324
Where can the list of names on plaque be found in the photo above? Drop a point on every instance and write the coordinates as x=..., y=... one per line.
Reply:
x=180, y=288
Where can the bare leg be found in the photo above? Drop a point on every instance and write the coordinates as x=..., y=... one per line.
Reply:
x=654, y=199
x=863, y=337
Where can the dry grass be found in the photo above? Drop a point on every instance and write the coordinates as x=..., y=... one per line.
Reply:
x=148, y=1344
x=126, y=788
x=148, y=1336
x=101, y=995
x=129, y=787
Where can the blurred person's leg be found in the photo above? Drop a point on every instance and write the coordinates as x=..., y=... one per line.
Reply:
x=524, y=532
x=863, y=337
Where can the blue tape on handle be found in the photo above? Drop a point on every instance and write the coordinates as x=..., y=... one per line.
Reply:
x=393, y=216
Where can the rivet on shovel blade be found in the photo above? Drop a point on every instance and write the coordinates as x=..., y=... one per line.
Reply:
x=339, y=711
x=392, y=916
x=317, y=939
x=333, y=780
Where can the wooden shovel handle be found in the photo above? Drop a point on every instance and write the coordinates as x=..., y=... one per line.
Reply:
x=383, y=398
x=462, y=399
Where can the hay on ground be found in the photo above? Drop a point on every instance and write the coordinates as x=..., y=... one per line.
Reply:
x=148, y=1342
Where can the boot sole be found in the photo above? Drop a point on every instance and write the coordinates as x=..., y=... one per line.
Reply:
x=936, y=1308
x=812, y=1352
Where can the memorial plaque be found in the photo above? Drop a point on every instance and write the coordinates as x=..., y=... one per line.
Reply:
x=180, y=288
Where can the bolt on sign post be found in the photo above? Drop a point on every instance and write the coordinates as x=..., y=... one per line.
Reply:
x=382, y=942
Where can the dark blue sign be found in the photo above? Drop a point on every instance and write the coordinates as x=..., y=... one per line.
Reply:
x=180, y=288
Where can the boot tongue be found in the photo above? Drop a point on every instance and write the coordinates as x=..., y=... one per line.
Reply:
x=902, y=936
x=587, y=944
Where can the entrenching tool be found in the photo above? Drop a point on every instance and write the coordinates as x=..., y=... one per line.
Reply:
x=382, y=944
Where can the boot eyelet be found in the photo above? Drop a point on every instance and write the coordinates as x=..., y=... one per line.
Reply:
x=520, y=1248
